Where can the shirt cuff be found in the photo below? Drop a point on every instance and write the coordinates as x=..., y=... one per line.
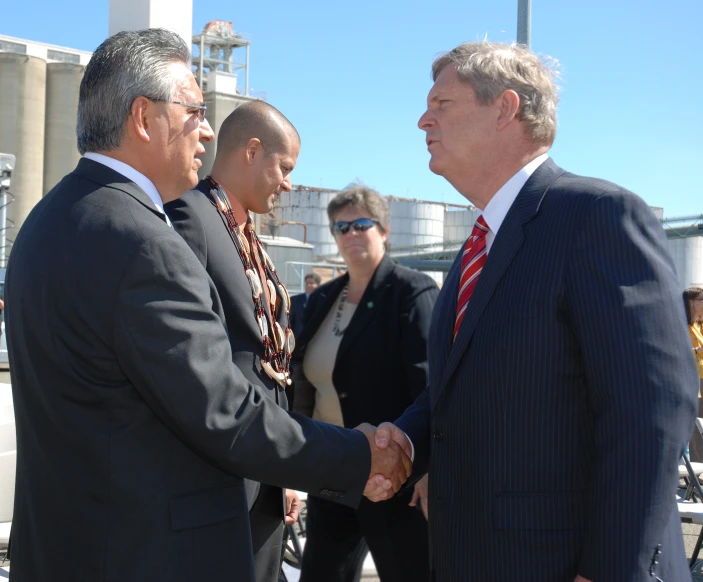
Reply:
x=412, y=446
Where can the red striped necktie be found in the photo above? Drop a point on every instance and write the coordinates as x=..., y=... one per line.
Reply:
x=472, y=261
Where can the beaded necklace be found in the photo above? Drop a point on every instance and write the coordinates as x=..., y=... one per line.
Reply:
x=336, y=330
x=277, y=352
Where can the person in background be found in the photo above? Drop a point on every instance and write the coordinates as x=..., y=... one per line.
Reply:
x=693, y=304
x=362, y=357
x=299, y=302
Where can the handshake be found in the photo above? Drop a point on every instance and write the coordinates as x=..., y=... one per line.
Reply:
x=391, y=460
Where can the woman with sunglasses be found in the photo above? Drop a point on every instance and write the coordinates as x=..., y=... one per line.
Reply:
x=693, y=304
x=362, y=358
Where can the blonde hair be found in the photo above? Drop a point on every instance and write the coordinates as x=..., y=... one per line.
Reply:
x=492, y=68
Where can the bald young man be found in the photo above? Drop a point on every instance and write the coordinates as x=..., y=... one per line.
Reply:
x=256, y=153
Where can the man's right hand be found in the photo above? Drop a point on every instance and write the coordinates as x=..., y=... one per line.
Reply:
x=390, y=466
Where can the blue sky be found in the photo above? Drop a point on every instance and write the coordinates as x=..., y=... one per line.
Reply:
x=353, y=78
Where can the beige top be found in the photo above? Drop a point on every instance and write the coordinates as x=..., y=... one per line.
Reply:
x=318, y=364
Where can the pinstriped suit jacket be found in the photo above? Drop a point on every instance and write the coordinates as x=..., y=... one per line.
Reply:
x=553, y=450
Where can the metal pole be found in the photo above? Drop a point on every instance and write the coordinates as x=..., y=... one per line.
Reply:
x=7, y=165
x=524, y=22
x=246, y=75
x=3, y=226
x=202, y=60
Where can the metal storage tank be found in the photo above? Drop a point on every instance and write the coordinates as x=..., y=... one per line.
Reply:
x=458, y=223
x=63, y=83
x=415, y=223
x=309, y=206
x=688, y=259
x=23, y=82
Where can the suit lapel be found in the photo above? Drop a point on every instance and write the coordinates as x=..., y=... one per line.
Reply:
x=371, y=302
x=324, y=298
x=506, y=245
x=443, y=319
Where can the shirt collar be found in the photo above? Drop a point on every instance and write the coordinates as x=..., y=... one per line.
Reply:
x=129, y=172
x=498, y=206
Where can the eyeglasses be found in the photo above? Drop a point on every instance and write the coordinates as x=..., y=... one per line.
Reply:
x=201, y=108
x=360, y=225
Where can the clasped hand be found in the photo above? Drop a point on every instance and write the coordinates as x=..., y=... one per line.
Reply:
x=390, y=460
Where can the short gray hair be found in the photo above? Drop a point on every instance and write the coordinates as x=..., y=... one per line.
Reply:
x=492, y=68
x=127, y=65
x=363, y=197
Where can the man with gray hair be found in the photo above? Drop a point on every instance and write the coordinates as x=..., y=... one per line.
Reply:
x=561, y=391
x=134, y=426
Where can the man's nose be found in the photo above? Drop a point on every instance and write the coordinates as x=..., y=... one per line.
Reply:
x=286, y=186
x=206, y=133
x=425, y=122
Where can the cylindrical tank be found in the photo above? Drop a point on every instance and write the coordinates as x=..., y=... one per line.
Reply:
x=309, y=206
x=458, y=224
x=416, y=223
x=23, y=82
x=688, y=259
x=63, y=83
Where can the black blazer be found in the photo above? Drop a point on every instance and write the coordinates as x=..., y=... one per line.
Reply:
x=298, y=304
x=558, y=416
x=381, y=365
x=197, y=220
x=134, y=427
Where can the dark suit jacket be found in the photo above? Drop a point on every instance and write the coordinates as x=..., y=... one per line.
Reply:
x=297, y=309
x=134, y=427
x=197, y=220
x=381, y=365
x=557, y=417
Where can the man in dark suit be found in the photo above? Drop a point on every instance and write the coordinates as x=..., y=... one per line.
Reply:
x=257, y=151
x=134, y=426
x=300, y=301
x=561, y=390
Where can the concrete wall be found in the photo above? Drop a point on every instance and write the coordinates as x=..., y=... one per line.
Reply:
x=63, y=82
x=219, y=106
x=415, y=223
x=688, y=259
x=458, y=224
x=176, y=15
x=22, y=115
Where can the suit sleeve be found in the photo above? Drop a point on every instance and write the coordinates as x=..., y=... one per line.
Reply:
x=174, y=349
x=415, y=319
x=415, y=422
x=626, y=310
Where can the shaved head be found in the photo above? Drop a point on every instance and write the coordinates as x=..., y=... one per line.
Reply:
x=259, y=120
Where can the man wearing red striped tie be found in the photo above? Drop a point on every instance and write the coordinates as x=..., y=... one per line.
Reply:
x=561, y=389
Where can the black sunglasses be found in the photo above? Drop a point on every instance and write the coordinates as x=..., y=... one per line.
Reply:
x=360, y=225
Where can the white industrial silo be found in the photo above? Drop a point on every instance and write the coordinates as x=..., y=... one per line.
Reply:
x=688, y=259
x=63, y=83
x=23, y=82
x=308, y=206
x=415, y=223
x=458, y=223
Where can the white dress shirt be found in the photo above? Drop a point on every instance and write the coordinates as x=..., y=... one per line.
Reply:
x=131, y=174
x=497, y=208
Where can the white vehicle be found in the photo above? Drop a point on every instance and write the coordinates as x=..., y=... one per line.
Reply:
x=4, y=360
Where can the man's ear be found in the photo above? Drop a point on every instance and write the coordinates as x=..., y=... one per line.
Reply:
x=254, y=148
x=139, y=119
x=509, y=105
